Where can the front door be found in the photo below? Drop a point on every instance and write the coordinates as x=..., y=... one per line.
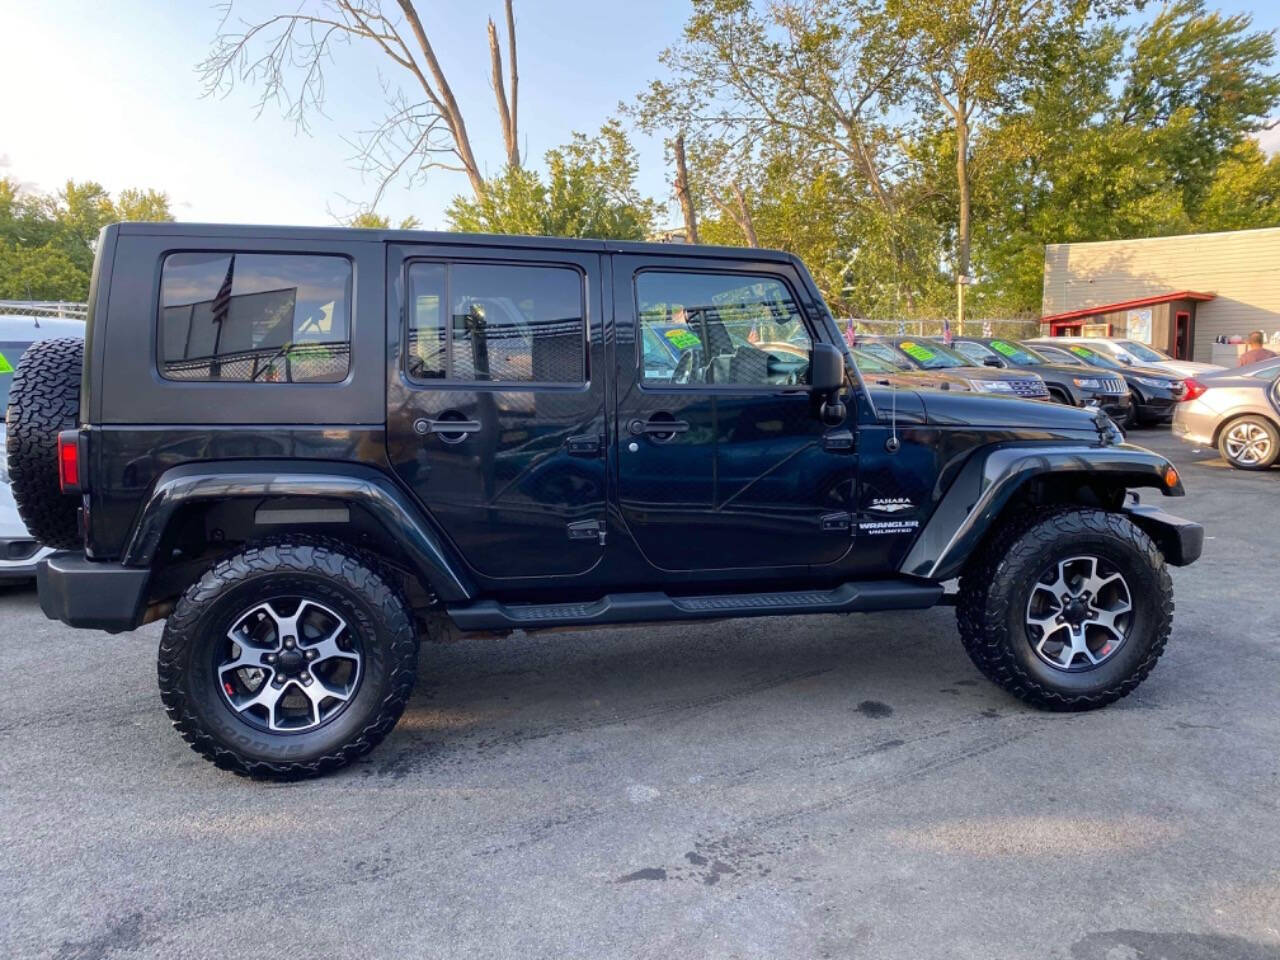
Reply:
x=723, y=462
x=496, y=413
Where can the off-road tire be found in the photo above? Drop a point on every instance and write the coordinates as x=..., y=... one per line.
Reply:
x=349, y=581
x=44, y=399
x=996, y=585
x=1263, y=424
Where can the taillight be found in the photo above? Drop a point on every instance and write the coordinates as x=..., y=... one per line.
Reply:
x=1193, y=389
x=69, y=461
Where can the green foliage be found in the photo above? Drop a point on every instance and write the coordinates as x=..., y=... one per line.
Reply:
x=47, y=240
x=368, y=220
x=589, y=190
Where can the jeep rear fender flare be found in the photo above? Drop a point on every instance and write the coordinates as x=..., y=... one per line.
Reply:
x=361, y=486
x=991, y=478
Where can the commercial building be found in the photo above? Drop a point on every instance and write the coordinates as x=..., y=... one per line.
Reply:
x=1178, y=294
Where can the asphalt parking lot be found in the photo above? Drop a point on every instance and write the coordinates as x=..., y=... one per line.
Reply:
x=821, y=787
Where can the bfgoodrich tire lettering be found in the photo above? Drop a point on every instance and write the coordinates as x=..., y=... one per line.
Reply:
x=330, y=574
x=997, y=585
x=43, y=400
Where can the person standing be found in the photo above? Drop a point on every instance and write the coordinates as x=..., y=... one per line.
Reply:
x=1256, y=352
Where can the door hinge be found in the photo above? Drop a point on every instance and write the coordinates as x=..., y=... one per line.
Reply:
x=838, y=440
x=587, y=530
x=836, y=522
x=584, y=445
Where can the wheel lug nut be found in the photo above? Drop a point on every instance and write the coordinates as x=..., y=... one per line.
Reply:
x=288, y=641
x=311, y=654
x=306, y=678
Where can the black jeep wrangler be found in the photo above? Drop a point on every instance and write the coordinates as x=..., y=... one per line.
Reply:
x=310, y=448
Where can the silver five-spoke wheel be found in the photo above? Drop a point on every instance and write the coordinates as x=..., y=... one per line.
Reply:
x=1247, y=443
x=289, y=664
x=1079, y=613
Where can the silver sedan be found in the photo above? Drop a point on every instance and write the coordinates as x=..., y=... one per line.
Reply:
x=1238, y=411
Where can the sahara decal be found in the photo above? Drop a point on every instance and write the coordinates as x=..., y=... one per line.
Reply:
x=890, y=505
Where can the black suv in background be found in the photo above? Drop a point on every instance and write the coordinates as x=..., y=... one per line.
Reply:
x=1155, y=392
x=308, y=449
x=1067, y=383
x=925, y=353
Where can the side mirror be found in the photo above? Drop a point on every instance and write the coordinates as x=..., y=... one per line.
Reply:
x=991, y=362
x=1126, y=359
x=826, y=369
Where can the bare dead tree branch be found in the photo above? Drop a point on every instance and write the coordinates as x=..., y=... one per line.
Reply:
x=289, y=59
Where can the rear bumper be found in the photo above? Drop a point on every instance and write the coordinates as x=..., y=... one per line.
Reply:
x=1181, y=541
x=84, y=593
x=1156, y=409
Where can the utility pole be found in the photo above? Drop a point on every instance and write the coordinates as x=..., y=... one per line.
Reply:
x=962, y=281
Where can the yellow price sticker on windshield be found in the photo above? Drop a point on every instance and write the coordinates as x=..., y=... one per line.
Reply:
x=5, y=365
x=915, y=351
x=682, y=339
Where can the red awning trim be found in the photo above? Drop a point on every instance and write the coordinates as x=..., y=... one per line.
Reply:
x=1127, y=305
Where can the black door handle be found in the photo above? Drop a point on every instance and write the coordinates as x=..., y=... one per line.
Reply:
x=655, y=426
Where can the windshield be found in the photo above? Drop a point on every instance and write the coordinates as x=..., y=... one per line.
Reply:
x=1055, y=355
x=931, y=356
x=1018, y=355
x=10, y=353
x=874, y=363
x=1142, y=352
x=884, y=353
x=977, y=353
x=1093, y=358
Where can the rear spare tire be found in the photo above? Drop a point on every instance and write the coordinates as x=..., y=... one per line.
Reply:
x=43, y=400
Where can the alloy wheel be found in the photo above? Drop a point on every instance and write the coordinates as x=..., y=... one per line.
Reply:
x=288, y=665
x=1079, y=613
x=1247, y=443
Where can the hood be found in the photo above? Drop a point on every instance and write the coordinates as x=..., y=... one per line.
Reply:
x=1143, y=371
x=987, y=410
x=1188, y=368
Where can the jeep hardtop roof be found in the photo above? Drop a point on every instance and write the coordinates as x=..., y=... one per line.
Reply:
x=360, y=235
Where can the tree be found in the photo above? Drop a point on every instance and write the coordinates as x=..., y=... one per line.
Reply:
x=1113, y=138
x=969, y=58
x=810, y=72
x=47, y=240
x=289, y=56
x=368, y=220
x=589, y=191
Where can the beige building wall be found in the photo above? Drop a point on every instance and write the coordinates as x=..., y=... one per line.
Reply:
x=1241, y=269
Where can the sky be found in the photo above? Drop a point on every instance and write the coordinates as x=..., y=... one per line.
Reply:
x=108, y=91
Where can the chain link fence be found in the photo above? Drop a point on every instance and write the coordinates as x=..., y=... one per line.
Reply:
x=68, y=309
x=1009, y=328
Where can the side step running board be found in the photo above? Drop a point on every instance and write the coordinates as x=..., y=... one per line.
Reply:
x=863, y=597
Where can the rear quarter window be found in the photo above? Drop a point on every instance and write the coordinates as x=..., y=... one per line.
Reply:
x=255, y=317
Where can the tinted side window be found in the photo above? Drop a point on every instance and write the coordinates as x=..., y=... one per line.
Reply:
x=504, y=323
x=265, y=317
x=720, y=329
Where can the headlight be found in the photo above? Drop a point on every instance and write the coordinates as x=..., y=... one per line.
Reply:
x=992, y=386
x=1089, y=383
x=1153, y=382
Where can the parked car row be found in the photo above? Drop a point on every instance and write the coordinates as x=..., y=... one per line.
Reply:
x=1236, y=411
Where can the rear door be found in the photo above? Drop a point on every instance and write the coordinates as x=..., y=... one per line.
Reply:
x=496, y=414
x=723, y=462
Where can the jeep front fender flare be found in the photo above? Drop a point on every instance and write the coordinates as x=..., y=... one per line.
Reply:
x=361, y=486
x=991, y=478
